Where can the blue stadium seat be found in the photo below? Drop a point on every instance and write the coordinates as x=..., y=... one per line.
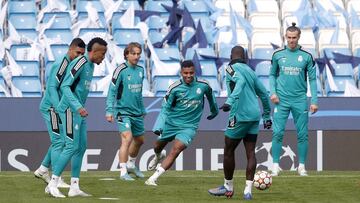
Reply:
x=168, y=54
x=155, y=36
x=29, y=86
x=62, y=19
x=19, y=51
x=196, y=6
x=126, y=4
x=23, y=20
x=2, y=93
x=92, y=92
x=156, y=22
x=58, y=50
x=47, y=69
x=115, y=21
x=81, y=5
x=208, y=68
x=125, y=36
x=64, y=34
x=200, y=51
x=153, y=5
x=225, y=50
x=30, y=68
x=102, y=19
x=162, y=83
x=28, y=33
x=330, y=55
x=262, y=53
x=343, y=69
x=263, y=68
x=21, y=7
x=214, y=84
x=67, y=3
x=95, y=32
x=340, y=82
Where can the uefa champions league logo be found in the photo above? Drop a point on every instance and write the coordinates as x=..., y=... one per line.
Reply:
x=288, y=152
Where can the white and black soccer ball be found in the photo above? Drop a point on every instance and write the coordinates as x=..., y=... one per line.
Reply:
x=262, y=180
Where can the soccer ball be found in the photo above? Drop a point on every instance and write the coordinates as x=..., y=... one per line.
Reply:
x=262, y=180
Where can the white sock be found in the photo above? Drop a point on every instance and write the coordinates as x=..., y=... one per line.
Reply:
x=43, y=169
x=74, y=183
x=301, y=166
x=131, y=162
x=54, y=181
x=229, y=184
x=275, y=166
x=157, y=173
x=248, y=186
x=123, y=169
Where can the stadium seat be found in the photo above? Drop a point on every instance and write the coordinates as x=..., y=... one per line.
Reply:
x=200, y=51
x=62, y=19
x=155, y=36
x=123, y=36
x=261, y=39
x=263, y=6
x=64, y=35
x=126, y=4
x=214, y=84
x=22, y=7
x=156, y=22
x=81, y=5
x=115, y=21
x=87, y=34
x=237, y=6
x=94, y=92
x=153, y=5
x=266, y=82
x=226, y=37
x=208, y=68
x=58, y=50
x=29, y=86
x=28, y=33
x=102, y=19
x=168, y=54
x=47, y=69
x=329, y=52
x=343, y=69
x=23, y=20
x=267, y=22
x=262, y=53
x=290, y=6
x=324, y=39
x=162, y=83
x=30, y=68
x=340, y=82
x=20, y=51
x=263, y=68
x=67, y=3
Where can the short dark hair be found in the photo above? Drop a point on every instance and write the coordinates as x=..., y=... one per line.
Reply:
x=293, y=28
x=238, y=52
x=130, y=46
x=78, y=42
x=187, y=64
x=94, y=41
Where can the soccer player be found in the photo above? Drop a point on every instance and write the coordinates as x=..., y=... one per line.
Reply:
x=124, y=103
x=47, y=108
x=291, y=68
x=181, y=112
x=71, y=108
x=243, y=87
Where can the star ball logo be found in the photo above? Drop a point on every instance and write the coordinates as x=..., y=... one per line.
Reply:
x=266, y=148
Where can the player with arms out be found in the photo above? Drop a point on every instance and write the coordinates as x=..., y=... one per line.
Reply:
x=75, y=89
x=48, y=104
x=243, y=88
x=291, y=67
x=124, y=103
x=179, y=118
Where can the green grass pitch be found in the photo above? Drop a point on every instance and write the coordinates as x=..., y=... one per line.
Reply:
x=187, y=186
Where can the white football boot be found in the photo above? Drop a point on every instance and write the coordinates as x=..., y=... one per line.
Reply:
x=75, y=192
x=54, y=192
x=150, y=182
x=276, y=169
x=154, y=161
x=42, y=175
x=62, y=184
x=301, y=171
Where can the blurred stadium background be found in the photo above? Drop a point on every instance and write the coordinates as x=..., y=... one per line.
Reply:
x=35, y=32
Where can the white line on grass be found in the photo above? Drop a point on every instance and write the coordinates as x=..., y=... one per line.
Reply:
x=107, y=179
x=109, y=198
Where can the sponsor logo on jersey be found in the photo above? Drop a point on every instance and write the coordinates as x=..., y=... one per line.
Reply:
x=300, y=58
x=198, y=90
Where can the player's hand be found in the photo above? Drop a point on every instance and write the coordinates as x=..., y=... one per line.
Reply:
x=313, y=108
x=110, y=118
x=212, y=116
x=267, y=124
x=158, y=132
x=225, y=107
x=274, y=99
x=83, y=112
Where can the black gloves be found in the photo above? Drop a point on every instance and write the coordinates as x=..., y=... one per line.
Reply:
x=225, y=107
x=267, y=124
x=158, y=132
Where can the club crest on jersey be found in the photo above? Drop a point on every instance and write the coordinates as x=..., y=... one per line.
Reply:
x=198, y=90
x=129, y=77
x=127, y=125
x=300, y=58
